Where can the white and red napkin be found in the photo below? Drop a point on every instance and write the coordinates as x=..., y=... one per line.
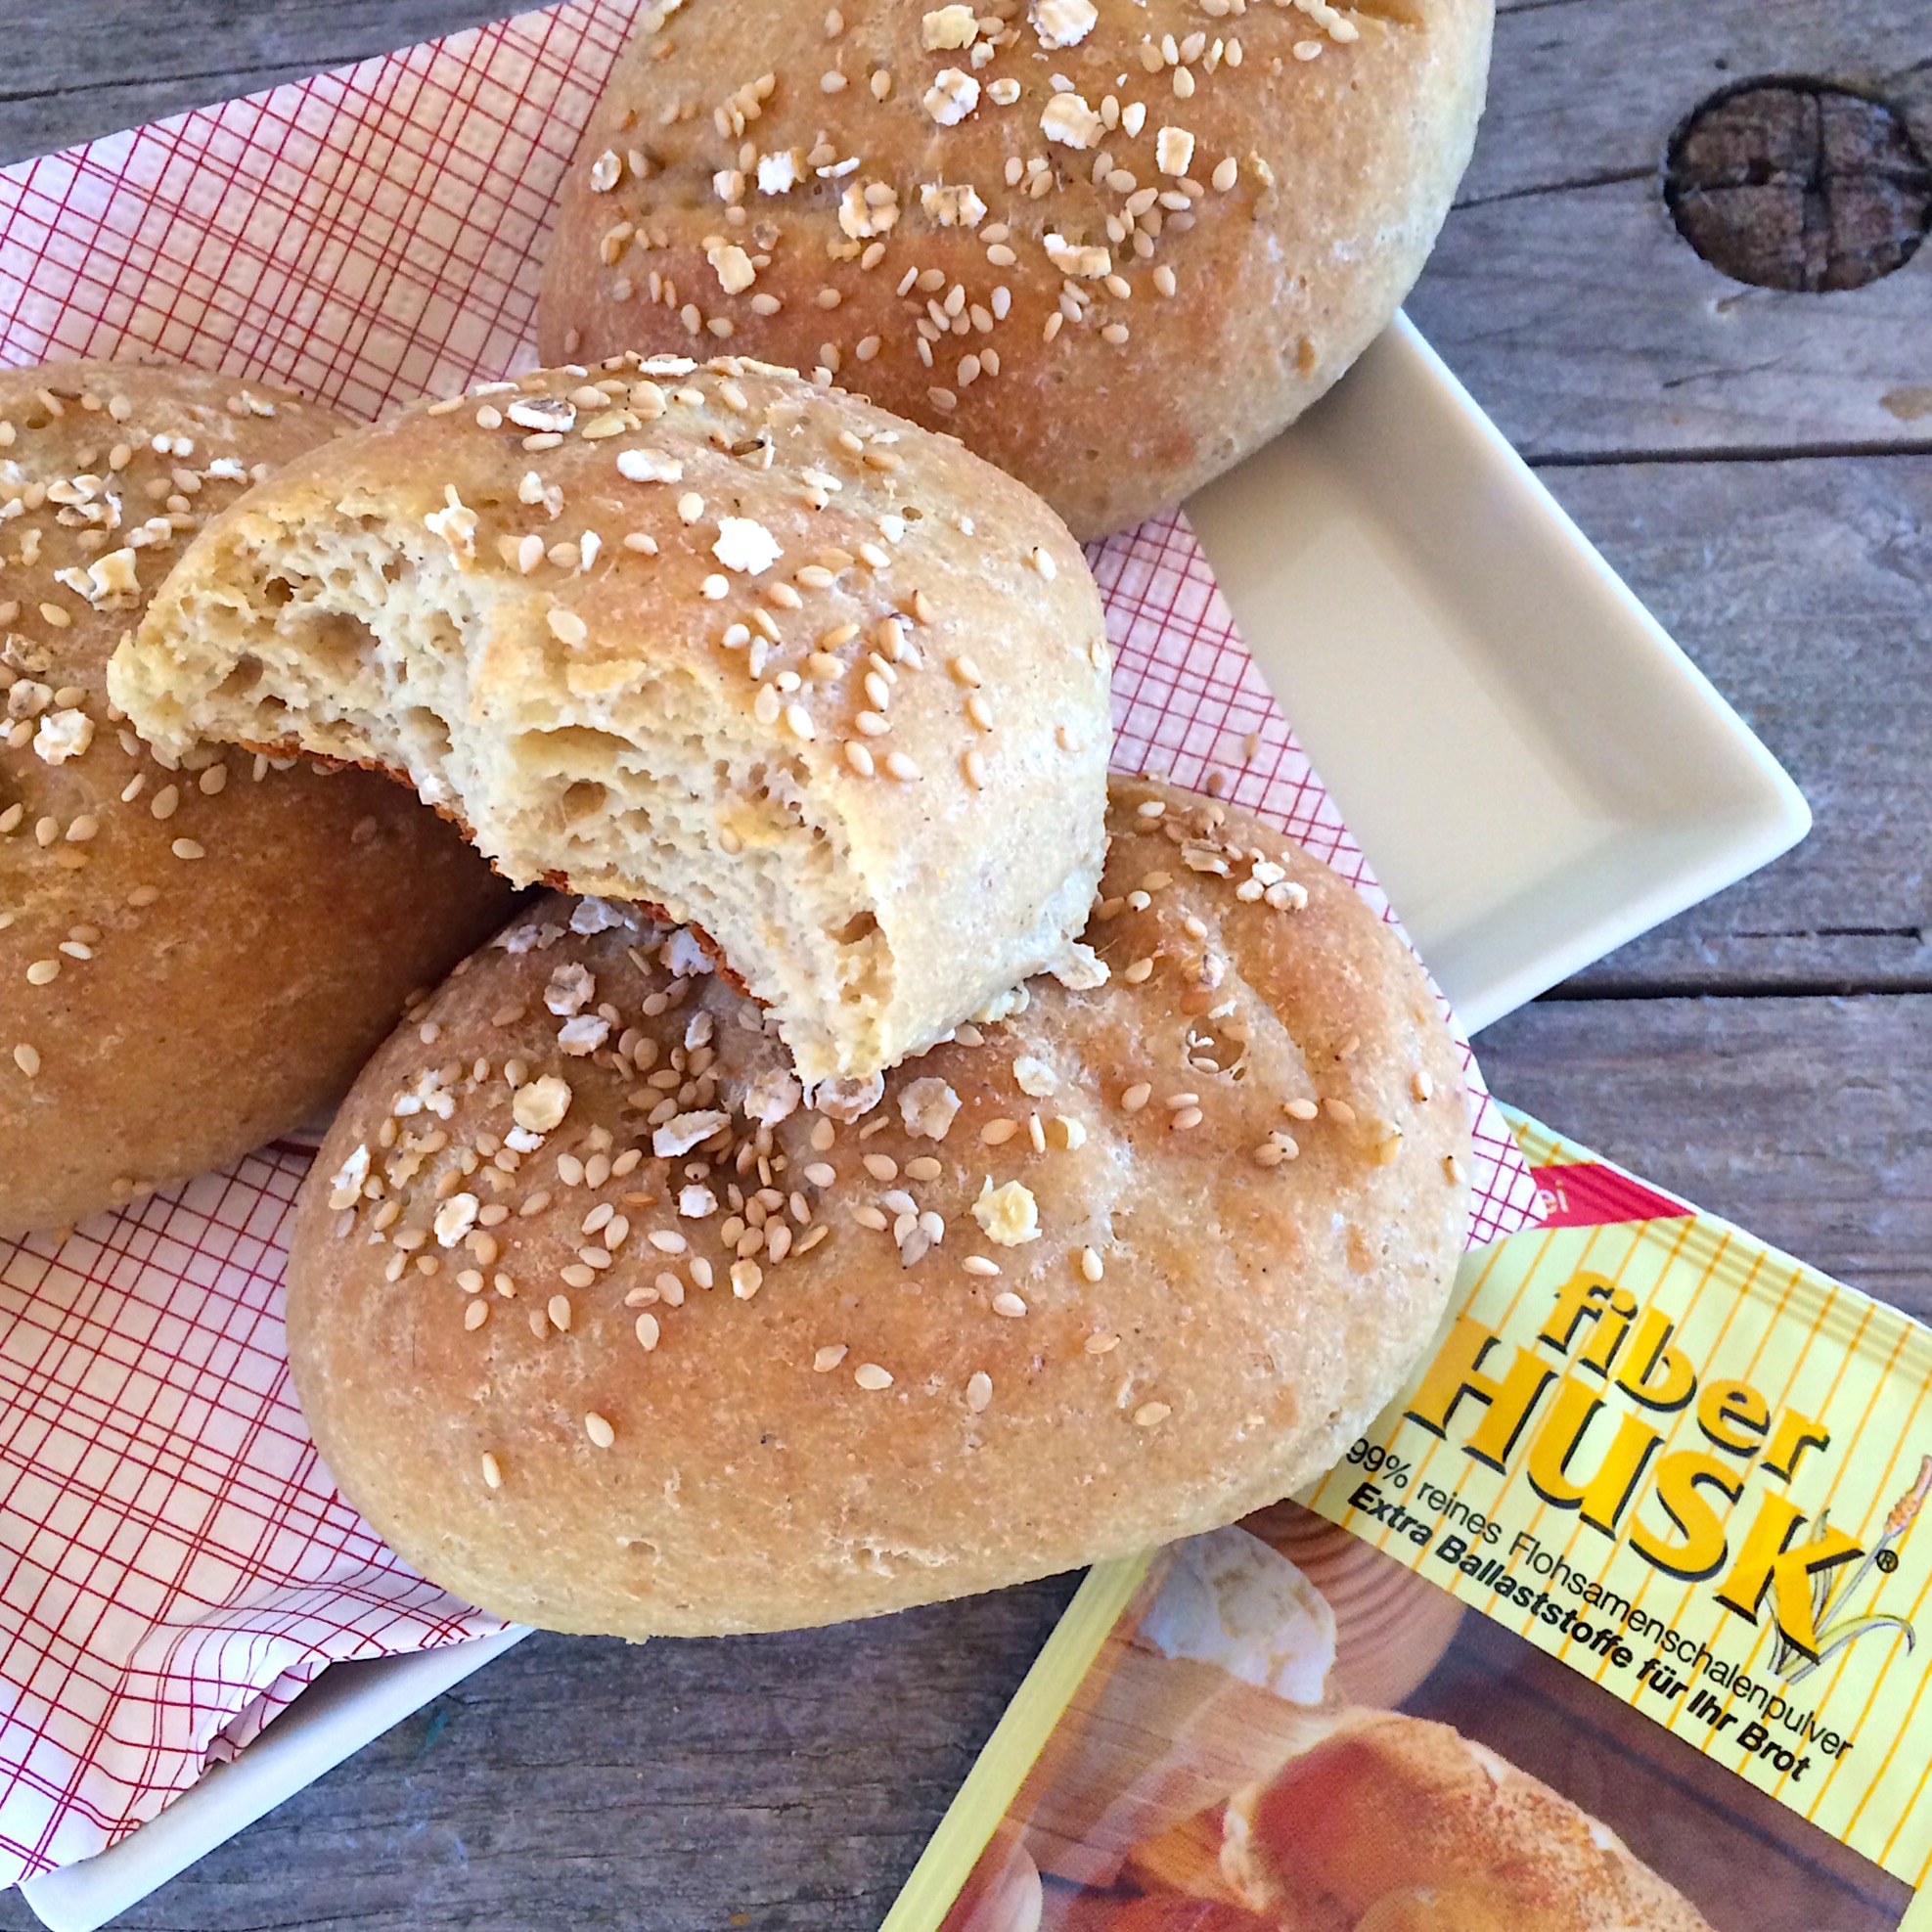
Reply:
x=174, y=1563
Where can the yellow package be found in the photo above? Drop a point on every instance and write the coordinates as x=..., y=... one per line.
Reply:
x=1609, y=1623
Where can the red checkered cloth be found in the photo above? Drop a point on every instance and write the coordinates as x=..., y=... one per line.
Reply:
x=177, y=1564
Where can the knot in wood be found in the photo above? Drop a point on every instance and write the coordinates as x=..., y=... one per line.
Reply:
x=1797, y=184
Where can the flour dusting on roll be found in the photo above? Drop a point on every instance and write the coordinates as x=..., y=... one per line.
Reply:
x=811, y=680
x=605, y=1330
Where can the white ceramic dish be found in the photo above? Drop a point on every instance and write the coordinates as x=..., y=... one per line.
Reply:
x=1537, y=773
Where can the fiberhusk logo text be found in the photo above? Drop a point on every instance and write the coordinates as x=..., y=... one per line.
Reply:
x=1514, y=1408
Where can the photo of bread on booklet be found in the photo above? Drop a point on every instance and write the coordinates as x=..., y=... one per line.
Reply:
x=1608, y=1624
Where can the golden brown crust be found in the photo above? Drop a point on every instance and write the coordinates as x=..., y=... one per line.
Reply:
x=195, y=958
x=1394, y=1807
x=1299, y=208
x=756, y=1468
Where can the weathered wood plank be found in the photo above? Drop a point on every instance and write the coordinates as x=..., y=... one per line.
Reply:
x=1587, y=327
x=1804, y=590
x=1586, y=89
x=107, y=68
x=1583, y=323
x=784, y=1784
x=1807, y=1121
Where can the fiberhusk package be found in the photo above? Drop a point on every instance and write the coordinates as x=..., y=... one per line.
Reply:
x=1609, y=1623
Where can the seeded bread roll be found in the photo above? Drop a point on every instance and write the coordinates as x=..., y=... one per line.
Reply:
x=790, y=669
x=605, y=1331
x=195, y=954
x=1114, y=244
x=1408, y=1826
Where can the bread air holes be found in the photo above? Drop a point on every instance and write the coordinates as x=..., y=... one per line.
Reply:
x=424, y=730
x=856, y=931
x=335, y=644
x=584, y=798
x=242, y=679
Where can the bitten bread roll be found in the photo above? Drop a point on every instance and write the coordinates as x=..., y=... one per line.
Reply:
x=197, y=952
x=1408, y=1826
x=1113, y=246
x=796, y=673
x=604, y=1331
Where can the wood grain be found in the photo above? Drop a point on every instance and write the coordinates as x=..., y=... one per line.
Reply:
x=1804, y=591
x=1564, y=297
x=106, y=67
x=780, y=1783
x=1769, y=1055
x=1805, y=1120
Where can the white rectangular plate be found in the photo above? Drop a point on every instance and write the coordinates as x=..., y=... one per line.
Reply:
x=1535, y=771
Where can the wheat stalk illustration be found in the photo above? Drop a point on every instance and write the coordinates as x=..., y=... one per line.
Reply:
x=1829, y=1595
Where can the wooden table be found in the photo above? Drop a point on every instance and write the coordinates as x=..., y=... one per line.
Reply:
x=1757, y=465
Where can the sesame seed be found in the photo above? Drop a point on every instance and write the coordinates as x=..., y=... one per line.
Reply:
x=1339, y=1112
x=1092, y=1268
x=1009, y=1304
x=598, y=1430
x=981, y=1265
x=566, y=627
x=1140, y=970
x=829, y=1358
x=858, y=758
x=973, y=765
x=746, y=1278
x=1188, y=1117
x=1226, y=173
x=492, y=1472
x=647, y=1331
x=1136, y=1097
x=997, y=1133
x=900, y=767
x=1302, y=1109
x=1422, y=1086
x=475, y=1313
x=870, y=1375
x=43, y=972
x=28, y=1060
x=1452, y=1164
x=188, y=848
x=1151, y=1413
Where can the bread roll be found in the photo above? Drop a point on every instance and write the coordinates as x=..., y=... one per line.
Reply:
x=811, y=680
x=197, y=952
x=1411, y=1828
x=1114, y=247
x=605, y=1332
